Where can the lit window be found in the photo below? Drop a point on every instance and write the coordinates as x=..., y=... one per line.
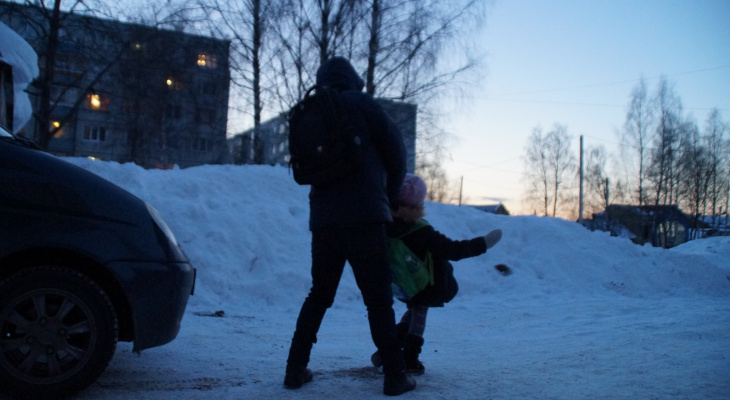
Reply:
x=97, y=102
x=207, y=61
x=56, y=128
x=173, y=83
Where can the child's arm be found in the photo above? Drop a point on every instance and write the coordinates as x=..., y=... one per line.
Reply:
x=440, y=246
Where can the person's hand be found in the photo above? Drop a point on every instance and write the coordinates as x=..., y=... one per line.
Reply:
x=493, y=237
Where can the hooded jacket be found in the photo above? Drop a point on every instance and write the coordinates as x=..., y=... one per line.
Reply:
x=366, y=196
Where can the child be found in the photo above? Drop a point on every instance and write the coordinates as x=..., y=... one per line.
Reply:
x=425, y=242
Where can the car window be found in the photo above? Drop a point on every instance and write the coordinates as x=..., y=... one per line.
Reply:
x=4, y=133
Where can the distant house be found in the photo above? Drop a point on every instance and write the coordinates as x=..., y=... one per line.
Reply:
x=499, y=209
x=661, y=226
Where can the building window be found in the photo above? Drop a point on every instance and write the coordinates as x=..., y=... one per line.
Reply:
x=208, y=88
x=95, y=133
x=97, y=102
x=204, y=115
x=173, y=111
x=207, y=61
x=201, y=144
x=64, y=96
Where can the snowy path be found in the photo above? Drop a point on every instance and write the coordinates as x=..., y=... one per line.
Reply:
x=601, y=348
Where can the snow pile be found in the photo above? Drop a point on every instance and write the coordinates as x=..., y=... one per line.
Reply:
x=583, y=315
x=245, y=230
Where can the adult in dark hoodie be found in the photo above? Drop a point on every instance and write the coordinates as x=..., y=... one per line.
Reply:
x=348, y=223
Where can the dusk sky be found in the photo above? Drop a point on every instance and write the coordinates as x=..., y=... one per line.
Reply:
x=575, y=63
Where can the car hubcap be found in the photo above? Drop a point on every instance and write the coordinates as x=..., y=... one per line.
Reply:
x=46, y=336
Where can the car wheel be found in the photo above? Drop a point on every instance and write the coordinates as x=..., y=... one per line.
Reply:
x=58, y=332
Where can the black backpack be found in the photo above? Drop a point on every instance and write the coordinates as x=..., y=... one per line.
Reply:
x=324, y=145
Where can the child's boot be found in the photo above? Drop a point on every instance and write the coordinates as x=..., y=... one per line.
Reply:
x=411, y=349
x=401, y=330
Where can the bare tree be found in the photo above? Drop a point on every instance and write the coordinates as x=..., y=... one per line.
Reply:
x=48, y=20
x=246, y=23
x=429, y=166
x=666, y=144
x=635, y=138
x=548, y=162
x=536, y=171
x=696, y=171
x=562, y=161
x=308, y=32
x=597, y=180
x=66, y=80
x=408, y=45
x=719, y=162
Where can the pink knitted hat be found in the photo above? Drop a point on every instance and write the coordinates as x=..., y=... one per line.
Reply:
x=413, y=191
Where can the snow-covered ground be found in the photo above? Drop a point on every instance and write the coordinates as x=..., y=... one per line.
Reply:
x=583, y=315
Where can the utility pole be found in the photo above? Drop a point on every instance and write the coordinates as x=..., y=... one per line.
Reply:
x=580, y=207
x=461, y=189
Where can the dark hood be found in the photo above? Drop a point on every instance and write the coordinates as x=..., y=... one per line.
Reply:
x=338, y=73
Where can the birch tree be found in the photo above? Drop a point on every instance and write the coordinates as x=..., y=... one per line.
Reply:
x=635, y=139
x=718, y=146
x=665, y=144
x=597, y=180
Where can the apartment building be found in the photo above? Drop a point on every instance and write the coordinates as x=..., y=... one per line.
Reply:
x=127, y=92
x=273, y=143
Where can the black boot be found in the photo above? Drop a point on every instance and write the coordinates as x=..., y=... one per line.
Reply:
x=411, y=349
x=398, y=384
x=297, y=373
x=296, y=377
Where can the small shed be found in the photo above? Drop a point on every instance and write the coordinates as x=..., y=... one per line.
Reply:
x=661, y=226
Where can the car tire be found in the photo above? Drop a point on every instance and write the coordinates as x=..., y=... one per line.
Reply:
x=58, y=332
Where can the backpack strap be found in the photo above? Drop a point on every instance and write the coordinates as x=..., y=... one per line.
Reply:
x=422, y=223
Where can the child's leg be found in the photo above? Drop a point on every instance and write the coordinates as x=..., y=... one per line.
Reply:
x=413, y=340
x=406, y=318
x=417, y=320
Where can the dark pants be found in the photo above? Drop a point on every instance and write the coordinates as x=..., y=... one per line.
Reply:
x=365, y=247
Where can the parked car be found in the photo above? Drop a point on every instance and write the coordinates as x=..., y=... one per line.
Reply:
x=83, y=263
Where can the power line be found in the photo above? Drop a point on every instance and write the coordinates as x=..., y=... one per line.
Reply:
x=612, y=83
x=507, y=96
x=480, y=166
